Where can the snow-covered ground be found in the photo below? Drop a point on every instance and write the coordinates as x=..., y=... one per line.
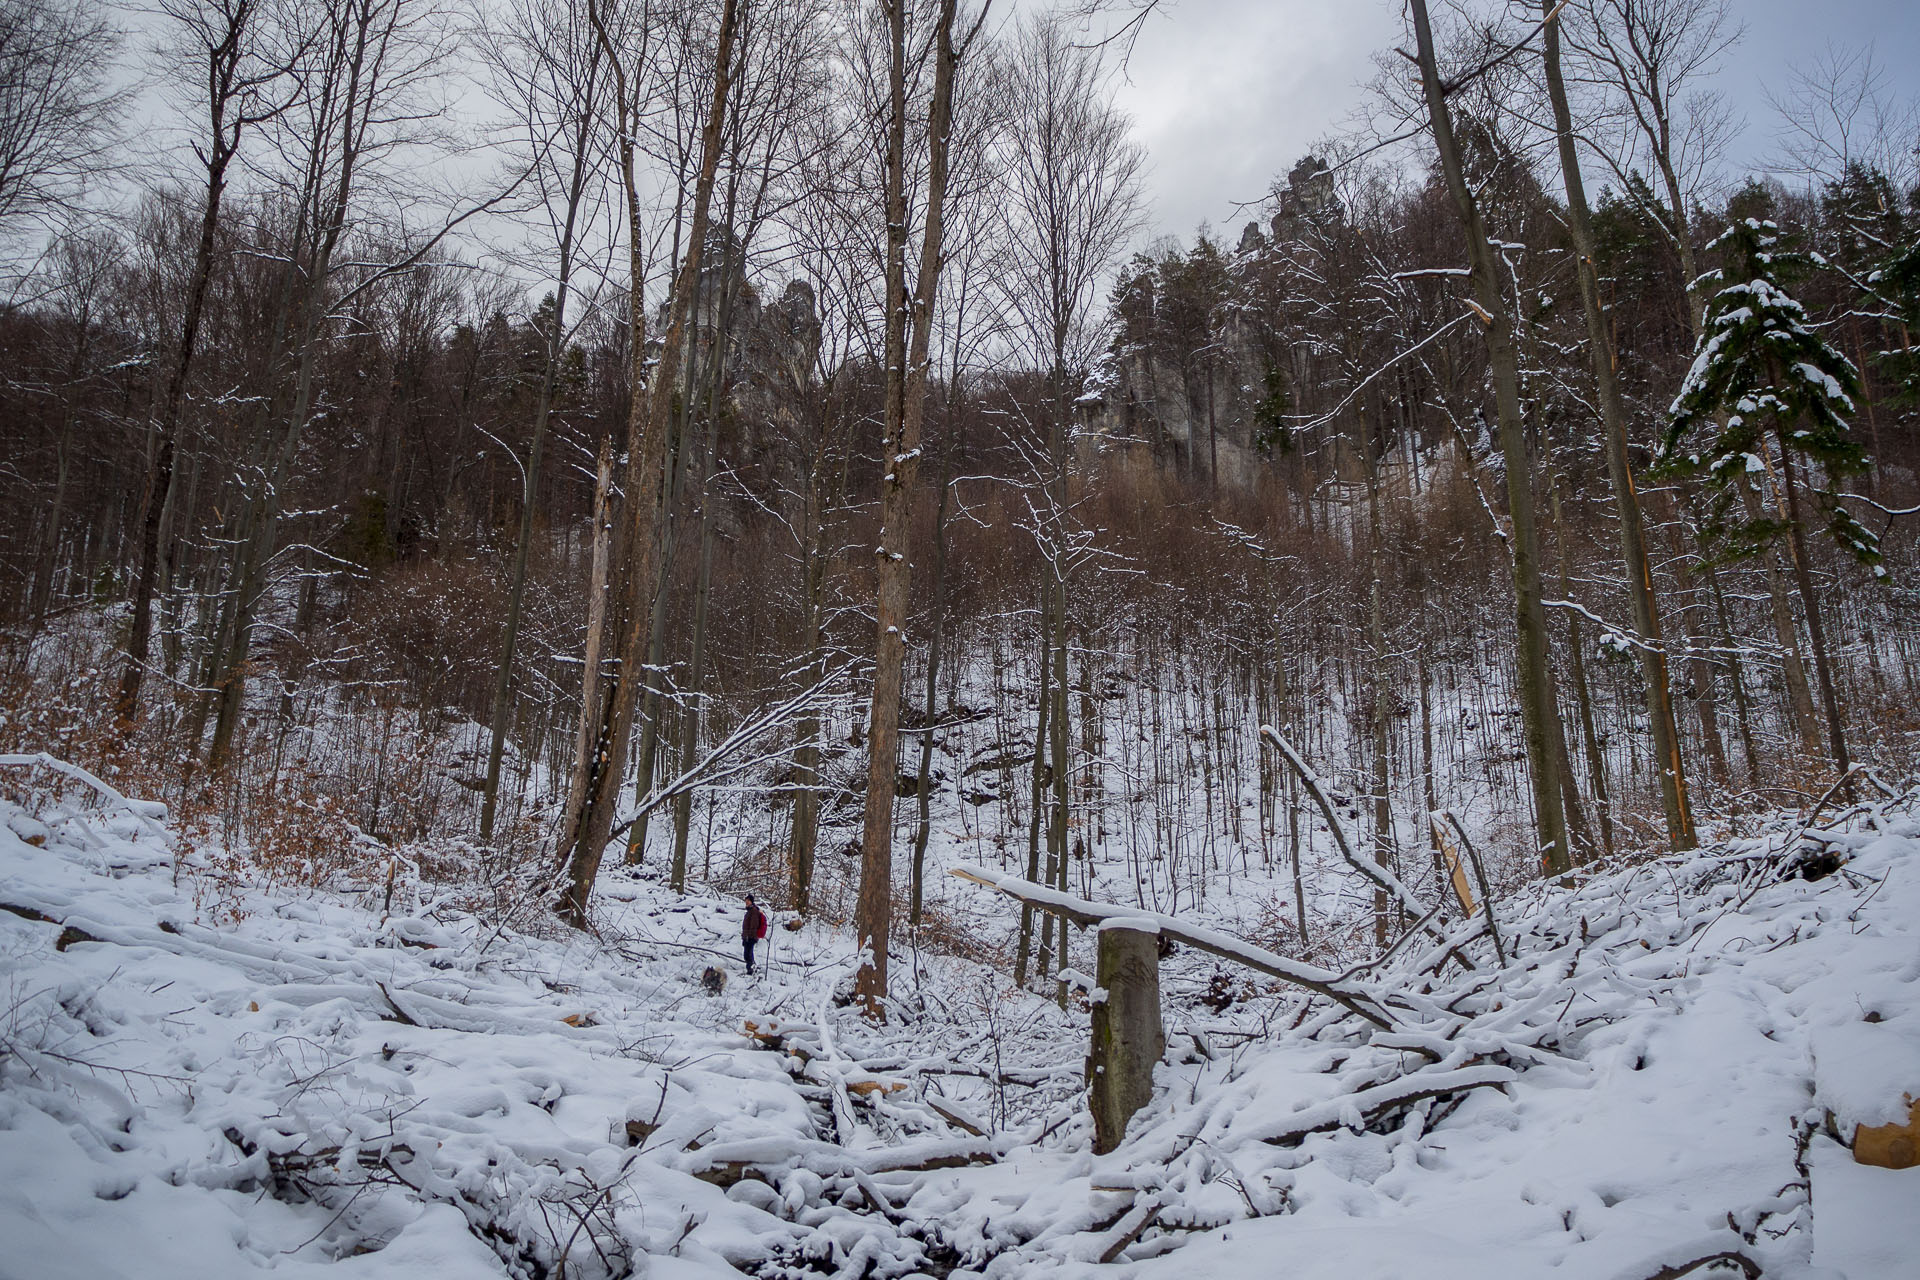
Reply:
x=202, y=1077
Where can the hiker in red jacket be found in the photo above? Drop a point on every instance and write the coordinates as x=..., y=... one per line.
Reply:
x=752, y=929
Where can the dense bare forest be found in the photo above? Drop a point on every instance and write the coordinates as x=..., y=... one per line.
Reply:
x=747, y=439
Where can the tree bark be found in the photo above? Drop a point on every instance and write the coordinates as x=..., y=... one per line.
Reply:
x=1036, y=816
x=1816, y=629
x=906, y=376
x=1654, y=676
x=224, y=81
x=589, y=826
x=1540, y=714
x=1128, y=1037
x=556, y=345
x=923, y=822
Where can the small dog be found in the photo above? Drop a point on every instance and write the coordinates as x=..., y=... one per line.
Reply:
x=714, y=980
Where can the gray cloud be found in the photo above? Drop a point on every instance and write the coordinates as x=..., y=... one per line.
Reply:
x=1228, y=93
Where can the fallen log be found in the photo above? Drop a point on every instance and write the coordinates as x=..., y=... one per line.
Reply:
x=1084, y=913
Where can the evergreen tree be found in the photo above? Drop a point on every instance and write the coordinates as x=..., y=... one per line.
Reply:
x=1763, y=366
x=1761, y=369
x=1896, y=283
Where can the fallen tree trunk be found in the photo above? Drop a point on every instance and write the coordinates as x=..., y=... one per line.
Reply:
x=1084, y=913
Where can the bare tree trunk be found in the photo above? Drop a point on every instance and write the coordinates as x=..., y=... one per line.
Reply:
x=923, y=823
x=1035, y=816
x=1654, y=678
x=1583, y=696
x=556, y=346
x=225, y=81
x=1383, y=850
x=1816, y=630
x=1786, y=634
x=1742, y=710
x=1062, y=765
x=806, y=756
x=587, y=828
x=906, y=375
x=703, y=585
x=592, y=684
x=1538, y=710
x=1128, y=1037
x=652, y=702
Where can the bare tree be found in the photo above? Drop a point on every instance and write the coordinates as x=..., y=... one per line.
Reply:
x=1075, y=177
x=908, y=334
x=594, y=795
x=1839, y=109
x=58, y=104
x=551, y=70
x=1540, y=712
x=366, y=103
x=1651, y=649
x=1651, y=57
x=247, y=57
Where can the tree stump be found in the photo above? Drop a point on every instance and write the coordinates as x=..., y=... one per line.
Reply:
x=1127, y=1036
x=1891, y=1146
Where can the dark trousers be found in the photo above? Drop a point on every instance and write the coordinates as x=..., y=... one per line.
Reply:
x=748, y=943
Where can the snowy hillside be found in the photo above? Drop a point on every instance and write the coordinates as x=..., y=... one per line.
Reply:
x=202, y=1076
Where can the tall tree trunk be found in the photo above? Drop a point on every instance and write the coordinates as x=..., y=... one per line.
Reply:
x=1700, y=675
x=592, y=682
x=1583, y=695
x=1381, y=694
x=923, y=822
x=906, y=376
x=1816, y=629
x=1038, y=795
x=696, y=676
x=589, y=822
x=167, y=428
x=806, y=756
x=556, y=346
x=1793, y=665
x=1062, y=766
x=653, y=701
x=703, y=583
x=1539, y=712
x=1654, y=676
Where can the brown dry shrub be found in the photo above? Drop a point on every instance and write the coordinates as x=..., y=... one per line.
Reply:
x=260, y=823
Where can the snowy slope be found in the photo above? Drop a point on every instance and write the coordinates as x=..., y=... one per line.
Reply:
x=210, y=1079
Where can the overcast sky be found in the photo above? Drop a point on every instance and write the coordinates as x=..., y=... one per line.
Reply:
x=1227, y=93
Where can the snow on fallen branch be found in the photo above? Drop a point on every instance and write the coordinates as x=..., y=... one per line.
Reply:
x=148, y=813
x=1086, y=913
x=725, y=1163
x=725, y=762
x=1364, y=1108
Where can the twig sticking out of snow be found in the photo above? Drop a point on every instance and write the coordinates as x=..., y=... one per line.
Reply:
x=1480, y=875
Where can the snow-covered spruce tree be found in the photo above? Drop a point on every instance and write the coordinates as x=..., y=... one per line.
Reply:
x=1898, y=283
x=1760, y=369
